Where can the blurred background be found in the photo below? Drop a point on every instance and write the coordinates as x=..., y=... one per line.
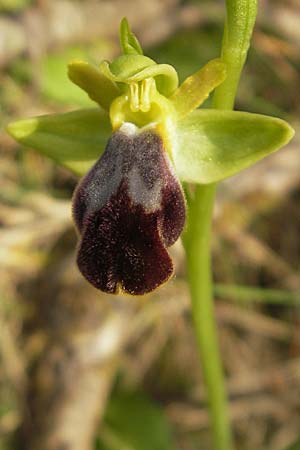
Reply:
x=80, y=370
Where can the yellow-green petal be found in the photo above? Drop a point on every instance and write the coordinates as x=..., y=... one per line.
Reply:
x=89, y=78
x=74, y=140
x=197, y=87
x=212, y=145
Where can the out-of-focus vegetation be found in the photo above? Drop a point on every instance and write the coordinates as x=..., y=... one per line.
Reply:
x=79, y=368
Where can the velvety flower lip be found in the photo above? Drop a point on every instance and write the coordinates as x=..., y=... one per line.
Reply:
x=128, y=209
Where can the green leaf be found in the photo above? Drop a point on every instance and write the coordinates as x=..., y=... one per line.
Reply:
x=133, y=422
x=74, y=140
x=213, y=145
x=197, y=87
x=129, y=43
x=89, y=78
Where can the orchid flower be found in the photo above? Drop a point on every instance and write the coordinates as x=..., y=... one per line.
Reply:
x=145, y=137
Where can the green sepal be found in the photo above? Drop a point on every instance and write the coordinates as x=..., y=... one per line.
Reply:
x=74, y=140
x=197, y=87
x=89, y=78
x=129, y=43
x=212, y=145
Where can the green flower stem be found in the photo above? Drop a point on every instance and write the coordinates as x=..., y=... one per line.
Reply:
x=199, y=267
x=239, y=24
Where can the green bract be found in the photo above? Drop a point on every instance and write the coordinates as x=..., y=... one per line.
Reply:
x=205, y=146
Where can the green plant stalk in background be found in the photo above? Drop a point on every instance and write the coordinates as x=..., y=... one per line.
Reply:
x=239, y=24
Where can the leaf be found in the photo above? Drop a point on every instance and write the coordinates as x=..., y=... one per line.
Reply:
x=133, y=422
x=197, y=87
x=213, y=145
x=98, y=87
x=74, y=140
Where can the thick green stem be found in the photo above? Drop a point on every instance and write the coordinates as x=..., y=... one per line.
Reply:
x=237, y=33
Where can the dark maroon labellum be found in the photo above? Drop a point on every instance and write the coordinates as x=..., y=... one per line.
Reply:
x=128, y=209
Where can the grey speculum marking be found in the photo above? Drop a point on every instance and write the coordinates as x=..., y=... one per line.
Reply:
x=128, y=209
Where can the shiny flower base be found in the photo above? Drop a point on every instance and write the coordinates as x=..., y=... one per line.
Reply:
x=128, y=209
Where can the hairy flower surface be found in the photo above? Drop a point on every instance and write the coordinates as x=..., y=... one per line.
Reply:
x=128, y=209
x=133, y=151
